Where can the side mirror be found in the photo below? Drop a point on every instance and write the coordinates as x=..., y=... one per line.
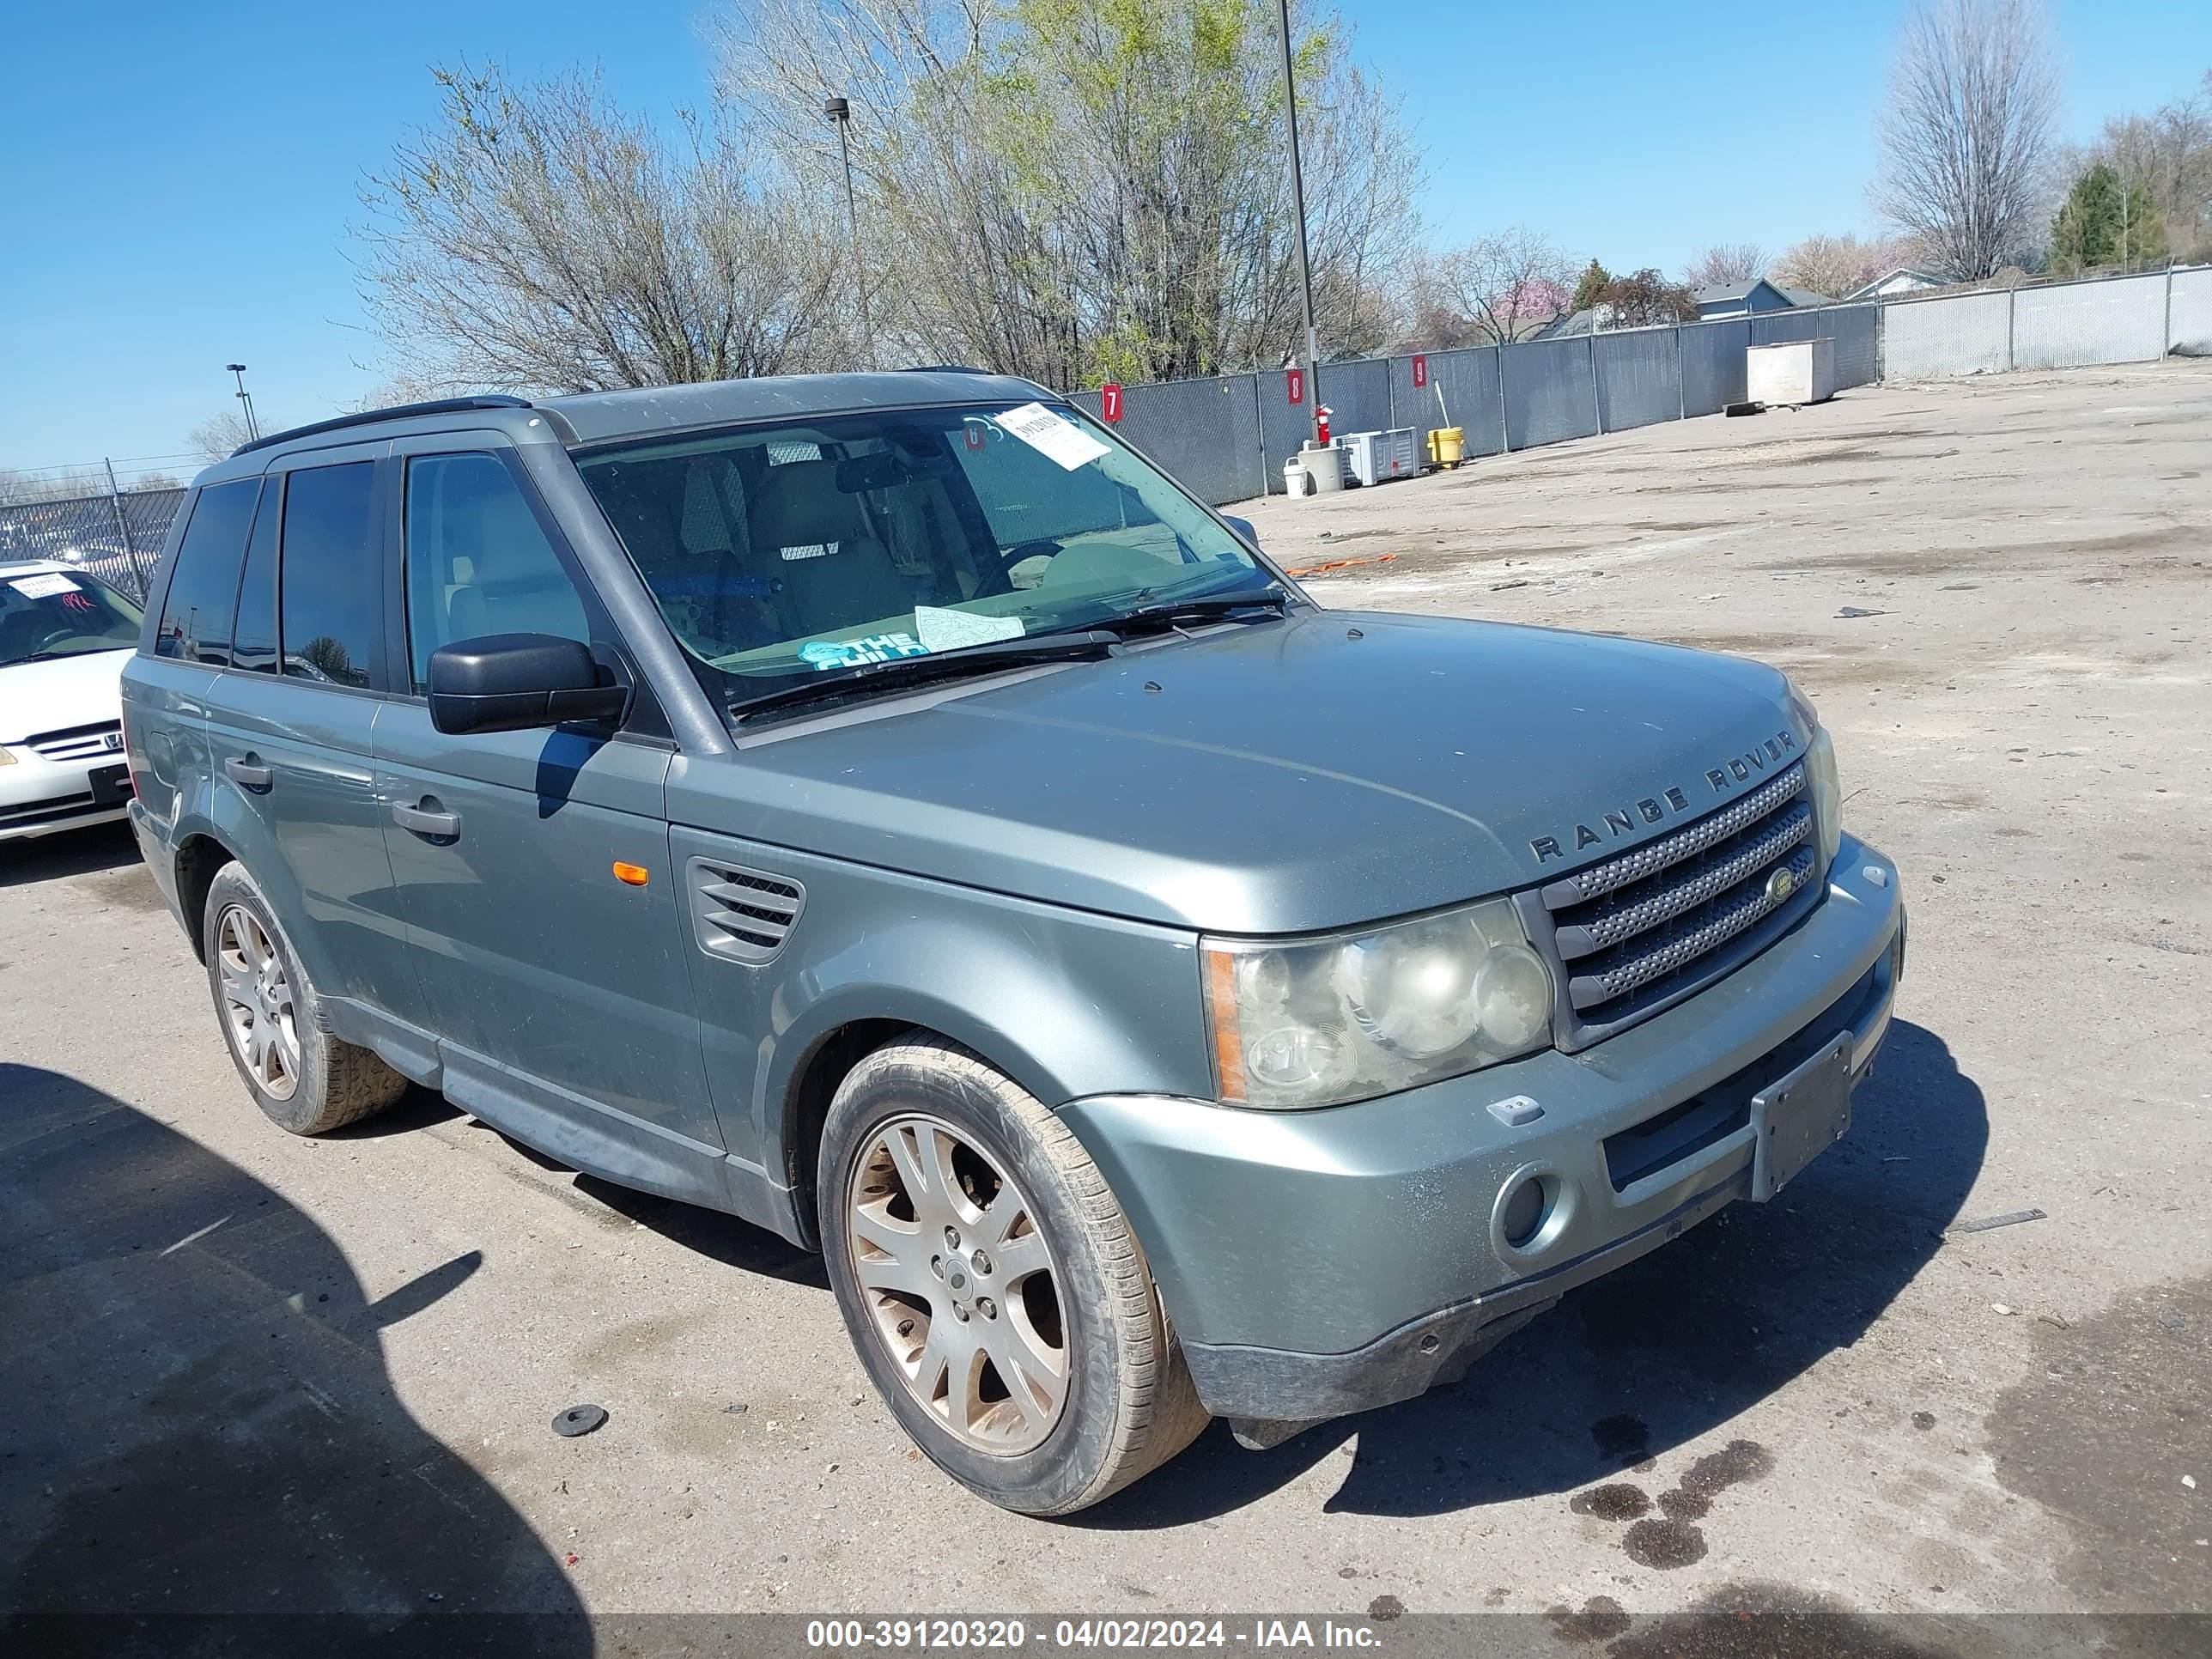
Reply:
x=1243, y=528
x=513, y=682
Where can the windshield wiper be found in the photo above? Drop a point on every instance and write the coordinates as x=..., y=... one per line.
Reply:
x=1201, y=608
x=993, y=657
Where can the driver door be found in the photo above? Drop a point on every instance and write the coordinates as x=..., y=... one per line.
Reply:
x=532, y=867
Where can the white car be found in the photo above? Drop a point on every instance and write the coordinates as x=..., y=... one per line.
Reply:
x=64, y=637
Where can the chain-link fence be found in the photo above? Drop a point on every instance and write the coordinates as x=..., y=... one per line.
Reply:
x=1532, y=392
x=2104, y=319
x=116, y=537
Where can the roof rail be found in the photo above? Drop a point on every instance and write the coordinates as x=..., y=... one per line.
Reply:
x=397, y=412
x=943, y=368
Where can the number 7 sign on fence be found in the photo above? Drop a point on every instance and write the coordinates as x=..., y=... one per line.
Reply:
x=1110, y=403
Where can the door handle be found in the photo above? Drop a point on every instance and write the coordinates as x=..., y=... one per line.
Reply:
x=437, y=826
x=250, y=773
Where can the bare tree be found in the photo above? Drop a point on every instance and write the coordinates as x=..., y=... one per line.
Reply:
x=1966, y=135
x=51, y=484
x=539, y=239
x=1491, y=289
x=1077, y=192
x=1839, y=266
x=218, y=436
x=1725, y=263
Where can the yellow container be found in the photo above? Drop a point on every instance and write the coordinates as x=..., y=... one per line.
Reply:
x=1447, y=446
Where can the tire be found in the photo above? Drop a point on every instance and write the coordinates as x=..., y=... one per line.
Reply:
x=306, y=1080
x=1126, y=1404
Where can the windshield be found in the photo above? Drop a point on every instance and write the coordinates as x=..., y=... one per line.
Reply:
x=779, y=553
x=51, y=613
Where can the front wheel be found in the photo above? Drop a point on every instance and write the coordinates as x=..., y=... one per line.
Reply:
x=991, y=1285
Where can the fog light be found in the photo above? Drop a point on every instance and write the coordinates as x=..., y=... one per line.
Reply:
x=1524, y=1211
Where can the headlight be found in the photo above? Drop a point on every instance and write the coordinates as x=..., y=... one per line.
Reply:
x=1317, y=1021
x=6, y=759
x=1821, y=775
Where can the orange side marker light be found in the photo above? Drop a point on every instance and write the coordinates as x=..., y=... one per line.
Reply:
x=631, y=875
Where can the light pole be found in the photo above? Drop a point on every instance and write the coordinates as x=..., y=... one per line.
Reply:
x=1298, y=197
x=841, y=112
x=252, y=428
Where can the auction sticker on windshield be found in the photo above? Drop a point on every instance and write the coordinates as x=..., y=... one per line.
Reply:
x=43, y=586
x=1052, y=435
x=944, y=629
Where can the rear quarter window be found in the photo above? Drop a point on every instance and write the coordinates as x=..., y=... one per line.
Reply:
x=197, y=612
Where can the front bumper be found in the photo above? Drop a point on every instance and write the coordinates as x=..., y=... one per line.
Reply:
x=1319, y=1263
x=39, y=797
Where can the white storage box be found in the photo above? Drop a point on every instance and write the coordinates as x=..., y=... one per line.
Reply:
x=1376, y=456
x=1801, y=372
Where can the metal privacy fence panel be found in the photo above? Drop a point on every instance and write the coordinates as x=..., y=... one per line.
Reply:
x=1286, y=426
x=1204, y=434
x=1712, y=364
x=1461, y=392
x=117, y=539
x=2189, y=313
x=1963, y=334
x=1639, y=377
x=1551, y=392
x=1855, y=329
x=2119, y=320
x=1357, y=395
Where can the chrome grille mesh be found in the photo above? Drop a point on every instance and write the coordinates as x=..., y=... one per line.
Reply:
x=1632, y=933
x=77, y=742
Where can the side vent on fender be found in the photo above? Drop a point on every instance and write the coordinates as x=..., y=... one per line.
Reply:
x=744, y=915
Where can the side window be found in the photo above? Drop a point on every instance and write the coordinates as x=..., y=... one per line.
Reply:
x=253, y=646
x=196, y=613
x=477, y=561
x=331, y=591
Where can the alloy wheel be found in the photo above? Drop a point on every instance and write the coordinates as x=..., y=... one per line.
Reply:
x=959, y=1284
x=259, y=1015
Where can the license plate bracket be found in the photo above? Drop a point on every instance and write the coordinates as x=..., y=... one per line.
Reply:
x=111, y=785
x=1799, y=1116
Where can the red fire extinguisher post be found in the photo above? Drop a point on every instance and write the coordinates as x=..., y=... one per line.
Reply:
x=1322, y=412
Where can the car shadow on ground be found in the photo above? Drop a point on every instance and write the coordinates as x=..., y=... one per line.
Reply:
x=710, y=1233
x=206, y=1452
x=67, y=853
x=1662, y=1352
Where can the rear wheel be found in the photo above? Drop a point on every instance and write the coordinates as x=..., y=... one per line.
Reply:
x=304, y=1079
x=991, y=1285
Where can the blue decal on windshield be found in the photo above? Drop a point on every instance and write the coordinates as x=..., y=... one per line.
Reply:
x=852, y=654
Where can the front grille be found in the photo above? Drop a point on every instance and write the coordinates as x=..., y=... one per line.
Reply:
x=76, y=742
x=1633, y=934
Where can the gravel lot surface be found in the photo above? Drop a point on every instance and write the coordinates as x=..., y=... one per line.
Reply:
x=256, y=1372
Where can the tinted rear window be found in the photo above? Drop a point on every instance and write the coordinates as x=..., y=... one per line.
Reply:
x=333, y=589
x=196, y=614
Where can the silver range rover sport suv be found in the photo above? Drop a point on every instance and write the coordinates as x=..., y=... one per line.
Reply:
x=888, y=809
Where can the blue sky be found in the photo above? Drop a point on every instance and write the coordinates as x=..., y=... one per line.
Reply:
x=181, y=182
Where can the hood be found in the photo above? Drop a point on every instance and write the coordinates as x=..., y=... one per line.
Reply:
x=1332, y=769
x=46, y=696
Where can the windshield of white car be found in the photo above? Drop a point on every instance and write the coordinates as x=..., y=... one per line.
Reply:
x=45, y=614
x=779, y=553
